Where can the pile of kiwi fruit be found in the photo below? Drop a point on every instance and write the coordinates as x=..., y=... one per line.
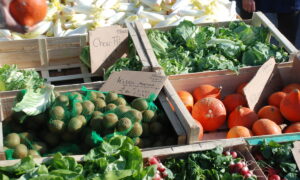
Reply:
x=74, y=116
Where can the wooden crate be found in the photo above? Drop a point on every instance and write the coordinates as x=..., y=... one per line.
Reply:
x=238, y=145
x=58, y=59
x=258, y=19
x=229, y=83
x=7, y=103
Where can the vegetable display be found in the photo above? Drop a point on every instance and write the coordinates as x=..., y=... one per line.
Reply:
x=74, y=122
x=210, y=165
x=12, y=78
x=76, y=17
x=277, y=160
x=212, y=112
x=188, y=48
x=114, y=158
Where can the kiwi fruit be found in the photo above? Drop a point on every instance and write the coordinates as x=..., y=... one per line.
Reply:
x=96, y=114
x=140, y=104
x=75, y=124
x=33, y=153
x=63, y=100
x=134, y=115
x=88, y=108
x=99, y=104
x=20, y=151
x=12, y=140
x=148, y=115
x=136, y=130
x=93, y=95
x=56, y=126
x=100, y=95
x=156, y=128
x=82, y=118
x=58, y=113
x=110, y=120
x=124, y=124
x=40, y=147
x=78, y=108
x=110, y=107
x=119, y=101
x=120, y=110
x=111, y=97
x=96, y=123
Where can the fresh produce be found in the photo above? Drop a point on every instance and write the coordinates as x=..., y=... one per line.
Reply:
x=265, y=127
x=242, y=116
x=232, y=101
x=188, y=48
x=272, y=113
x=277, y=160
x=76, y=17
x=211, y=164
x=114, y=158
x=206, y=90
x=200, y=136
x=74, y=122
x=12, y=78
x=239, y=131
x=210, y=112
x=291, y=87
x=294, y=127
x=187, y=99
x=290, y=106
x=28, y=12
x=240, y=88
x=276, y=98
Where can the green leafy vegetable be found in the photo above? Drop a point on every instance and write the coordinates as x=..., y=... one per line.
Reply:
x=36, y=101
x=12, y=78
x=188, y=48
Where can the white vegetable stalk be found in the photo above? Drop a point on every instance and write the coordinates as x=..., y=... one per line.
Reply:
x=78, y=17
x=167, y=21
x=154, y=4
x=109, y=4
x=151, y=15
x=57, y=30
x=99, y=3
x=5, y=33
x=82, y=23
x=190, y=12
x=179, y=3
x=125, y=7
x=41, y=28
x=84, y=2
x=116, y=18
x=203, y=19
x=168, y=2
x=77, y=31
x=107, y=13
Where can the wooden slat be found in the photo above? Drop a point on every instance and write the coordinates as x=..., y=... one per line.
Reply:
x=44, y=58
x=19, y=45
x=22, y=59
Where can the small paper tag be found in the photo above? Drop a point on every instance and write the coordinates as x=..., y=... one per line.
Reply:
x=256, y=86
x=296, y=154
x=104, y=42
x=134, y=83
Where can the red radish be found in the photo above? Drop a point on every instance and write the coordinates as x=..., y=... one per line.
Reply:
x=164, y=174
x=161, y=167
x=248, y=175
x=227, y=153
x=244, y=170
x=272, y=171
x=274, y=177
x=244, y=163
x=231, y=167
x=153, y=160
x=157, y=177
x=238, y=167
x=233, y=154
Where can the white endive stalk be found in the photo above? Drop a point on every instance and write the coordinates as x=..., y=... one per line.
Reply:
x=153, y=4
x=109, y=4
x=152, y=16
x=107, y=13
x=5, y=33
x=99, y=3
x=84, y=2
x=57, y=30
x=67, y=10
x=4, y=39
x=203, y=19
x=78, y=17
x=16, y=36
x=167, y=21
x=68, y=25
x=125, y=7
x=41, y=28
x=190, y=12
x=77, y=31
x=116, y=18
x=169, y=1
x=179, y=3
x=81, y=23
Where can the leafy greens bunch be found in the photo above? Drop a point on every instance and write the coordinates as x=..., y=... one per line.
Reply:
x=189, y=48
x=206, y=165
x=116, y=158
x=279, y=158
x=12, y=78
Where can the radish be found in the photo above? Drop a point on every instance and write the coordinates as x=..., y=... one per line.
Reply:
x=153, y=160
x=231, y=167
x=248, y=175
x=157, y=177
x=161, y=167
x=233, y=154
x=227, y=153
x=164, y=174
x=244, y=170
x=238, y=167
x=274, y=177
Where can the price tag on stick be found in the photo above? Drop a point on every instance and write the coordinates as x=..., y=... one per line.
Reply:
x=106, y=42
x=134, y=83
